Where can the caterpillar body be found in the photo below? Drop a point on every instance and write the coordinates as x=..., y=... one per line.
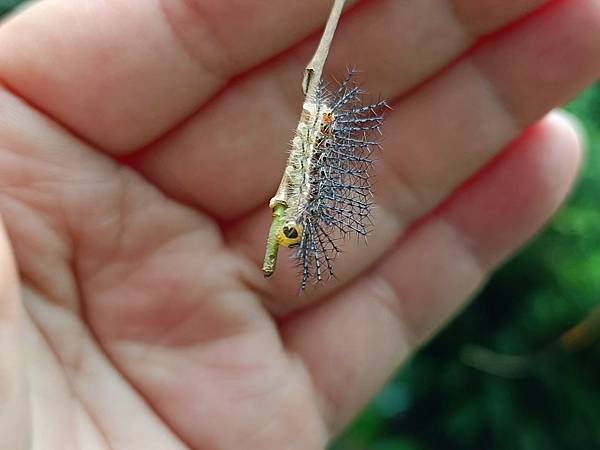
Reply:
x=325, y=194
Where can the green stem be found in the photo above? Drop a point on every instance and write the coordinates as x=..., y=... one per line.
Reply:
x=272, y=244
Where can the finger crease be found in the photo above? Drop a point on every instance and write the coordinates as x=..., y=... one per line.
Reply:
x=220, y=65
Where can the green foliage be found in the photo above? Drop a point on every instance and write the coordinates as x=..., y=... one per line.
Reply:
x=8, y=5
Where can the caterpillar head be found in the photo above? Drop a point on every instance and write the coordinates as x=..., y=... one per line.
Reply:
x=290, y=234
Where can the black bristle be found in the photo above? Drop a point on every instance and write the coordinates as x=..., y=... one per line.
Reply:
x=340, y=199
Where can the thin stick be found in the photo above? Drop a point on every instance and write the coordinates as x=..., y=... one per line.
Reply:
x=314, y=70
x=272, y=244
x=310, y=83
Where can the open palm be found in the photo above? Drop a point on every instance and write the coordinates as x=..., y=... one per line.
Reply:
x=140, y=142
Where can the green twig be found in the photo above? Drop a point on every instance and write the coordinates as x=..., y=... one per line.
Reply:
x=310, y=83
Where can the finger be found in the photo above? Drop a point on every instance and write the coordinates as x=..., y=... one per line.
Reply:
x=448, y=129
x=245, y=132
x=15, y=413
x=364, y=333
x=120, y=74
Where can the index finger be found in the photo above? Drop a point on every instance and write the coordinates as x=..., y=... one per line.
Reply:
x=121, y=73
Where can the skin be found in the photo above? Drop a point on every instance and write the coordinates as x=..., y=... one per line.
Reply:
x=140, y=142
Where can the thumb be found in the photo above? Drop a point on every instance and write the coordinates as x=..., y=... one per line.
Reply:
x=14, y=402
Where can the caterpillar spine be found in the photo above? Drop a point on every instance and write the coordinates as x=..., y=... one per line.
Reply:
x=326, y=192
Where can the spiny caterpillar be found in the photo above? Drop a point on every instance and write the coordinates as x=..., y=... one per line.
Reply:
x=325, y=193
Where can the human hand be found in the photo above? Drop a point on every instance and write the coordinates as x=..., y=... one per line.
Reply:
x=140, y=143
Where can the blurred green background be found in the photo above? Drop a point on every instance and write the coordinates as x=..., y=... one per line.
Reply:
x=520, y=368
x=7, y=5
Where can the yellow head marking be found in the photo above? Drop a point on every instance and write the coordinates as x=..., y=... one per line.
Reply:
x=290, y=234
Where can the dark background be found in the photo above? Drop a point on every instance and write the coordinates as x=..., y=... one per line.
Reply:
x=520, y=368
